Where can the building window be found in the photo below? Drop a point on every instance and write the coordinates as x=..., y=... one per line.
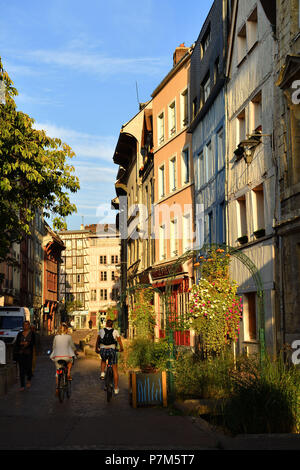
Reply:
x=172, y=119
x=103, y=276
x=258, y=211
x=185, y=166
x=256, y=114
x=220, y=146
x=201, y=170
x=241, y=127
x=252, y=29
x=210, y=228
x=241, y=43
x=162, y=242
x=195, y=107
x=68, y=244
x=206, y=88
x=221, y=223
x=172, y=174
x=161, y=128
x=79, y=262
x=187, y=230
x=113, y=276
x=184, y=108
x=93, y=295
x=216, y=69
x=174, y=238
x=114, y=259
x=249, y=315
x=205, y=41
x=210, y=167
x=80, y=298
x=103, y=294
x=242, y=219
x=161, y=181
x=79, y=280
x=69, y=262
x=103, y=259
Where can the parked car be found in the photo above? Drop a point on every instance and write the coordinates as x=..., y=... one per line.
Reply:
x=11, y=322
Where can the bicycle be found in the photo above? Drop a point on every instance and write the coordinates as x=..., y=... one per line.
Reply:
x=63, y=384
x=109, y=380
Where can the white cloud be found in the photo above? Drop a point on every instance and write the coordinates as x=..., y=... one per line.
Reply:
x=44, y=100
x=95, y=174
x=87, y=61
x=84, y=144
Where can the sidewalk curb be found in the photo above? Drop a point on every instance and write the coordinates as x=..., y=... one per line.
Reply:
x=240, y=441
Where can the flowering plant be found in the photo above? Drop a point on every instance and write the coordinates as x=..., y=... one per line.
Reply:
x=214, y=308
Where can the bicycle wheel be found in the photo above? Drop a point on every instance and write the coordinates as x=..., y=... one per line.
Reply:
x=109, y=383
x=61, y=388
x=69, y=388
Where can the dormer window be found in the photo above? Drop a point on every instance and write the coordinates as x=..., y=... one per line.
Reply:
x=252, y=29
x=205, y=41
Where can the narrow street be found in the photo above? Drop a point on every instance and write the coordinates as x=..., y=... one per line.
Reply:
x=35, y=419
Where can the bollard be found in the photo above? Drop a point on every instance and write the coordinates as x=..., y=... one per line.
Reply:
x=2, y=353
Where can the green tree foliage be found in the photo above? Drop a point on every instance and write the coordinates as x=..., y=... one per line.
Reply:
x=142, y=315
x=34, y=172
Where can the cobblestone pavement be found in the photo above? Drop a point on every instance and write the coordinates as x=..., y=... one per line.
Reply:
x=34, y=419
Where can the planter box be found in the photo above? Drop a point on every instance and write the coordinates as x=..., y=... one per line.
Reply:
x=148, y=389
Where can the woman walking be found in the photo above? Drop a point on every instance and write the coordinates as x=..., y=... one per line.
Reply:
x=23, y=351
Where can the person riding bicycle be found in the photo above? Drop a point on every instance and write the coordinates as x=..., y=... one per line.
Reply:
x=63, y=349
x=107, y=340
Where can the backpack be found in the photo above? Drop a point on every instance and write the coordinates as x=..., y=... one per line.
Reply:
x=108, y=338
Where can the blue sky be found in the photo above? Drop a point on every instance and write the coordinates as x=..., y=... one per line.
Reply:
x=76, y=65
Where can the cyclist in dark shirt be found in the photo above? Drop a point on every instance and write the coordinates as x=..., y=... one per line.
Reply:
x=106, y=343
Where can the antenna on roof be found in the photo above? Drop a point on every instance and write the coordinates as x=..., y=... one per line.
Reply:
x=137, y=93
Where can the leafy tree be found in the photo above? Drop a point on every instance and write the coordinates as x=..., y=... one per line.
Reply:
x=34, y=173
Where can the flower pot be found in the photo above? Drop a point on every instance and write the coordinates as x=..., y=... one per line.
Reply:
x=242, y=240
x=259, y=233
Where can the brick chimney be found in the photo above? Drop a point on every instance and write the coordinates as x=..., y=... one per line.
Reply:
x=180, y=51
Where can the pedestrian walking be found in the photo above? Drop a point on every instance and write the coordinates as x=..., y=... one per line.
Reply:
x=23, y=352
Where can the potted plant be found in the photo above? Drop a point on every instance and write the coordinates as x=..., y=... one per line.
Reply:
x=243, y=239
x=259, y=233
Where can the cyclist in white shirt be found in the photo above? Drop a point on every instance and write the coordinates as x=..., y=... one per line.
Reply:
x=63, y=348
